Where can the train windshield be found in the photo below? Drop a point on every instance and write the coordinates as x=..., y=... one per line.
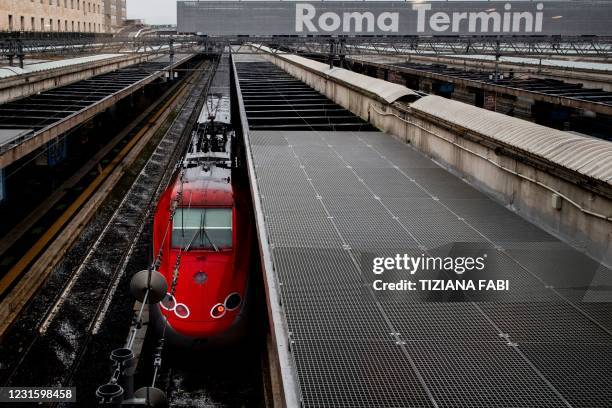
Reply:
x=202, y=228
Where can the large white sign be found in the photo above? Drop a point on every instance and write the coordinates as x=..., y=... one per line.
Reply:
x=308, y=20
x=442, y=18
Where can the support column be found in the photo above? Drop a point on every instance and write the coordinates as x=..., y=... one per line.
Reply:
x=57, y=151
x=489, y=101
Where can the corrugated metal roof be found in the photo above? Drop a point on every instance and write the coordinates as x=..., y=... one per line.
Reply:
x=385, y=90
x=585, y=155
x=6, y=72
x=307, y=62
x=388, y=91
x=9, y=135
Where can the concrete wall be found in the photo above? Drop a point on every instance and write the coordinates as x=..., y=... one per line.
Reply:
x=479, y=164
x=52, y=15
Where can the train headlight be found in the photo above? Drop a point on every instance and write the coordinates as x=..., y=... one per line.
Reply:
x=181, y=310
x=168, y=302
x=233, y=301
x=218, y=311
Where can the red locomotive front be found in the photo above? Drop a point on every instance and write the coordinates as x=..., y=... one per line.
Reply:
x=203, y=232
x=205, y=253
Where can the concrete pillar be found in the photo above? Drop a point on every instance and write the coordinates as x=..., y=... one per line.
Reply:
x=412, y=82
x=395, y=77
x=444, y=89
x=522, y=107
x=57, y=151
x=464, y=95
x=489, y=101
x=382, y=73
x=506, y=105
x=426, y=85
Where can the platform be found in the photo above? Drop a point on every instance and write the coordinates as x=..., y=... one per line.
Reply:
x=330, y=201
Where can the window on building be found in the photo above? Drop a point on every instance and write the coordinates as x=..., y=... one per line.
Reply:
x=10, y=18
x=22, y=27
x=33, y=24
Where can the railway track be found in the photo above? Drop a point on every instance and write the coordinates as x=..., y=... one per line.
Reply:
x=77, y=316
x=30, y=271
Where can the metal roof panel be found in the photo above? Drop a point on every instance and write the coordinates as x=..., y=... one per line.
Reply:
x=582, y=154
x=388, y=91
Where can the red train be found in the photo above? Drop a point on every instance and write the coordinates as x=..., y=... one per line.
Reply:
x=203, y=231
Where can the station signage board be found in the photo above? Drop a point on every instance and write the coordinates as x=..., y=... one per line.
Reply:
x=395, y=18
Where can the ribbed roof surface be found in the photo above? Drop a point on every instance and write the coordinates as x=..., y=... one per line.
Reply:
x=6, y=72
x=387, y=91
x=585, y=155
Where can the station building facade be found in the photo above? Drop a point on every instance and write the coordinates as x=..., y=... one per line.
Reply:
x=83, y=16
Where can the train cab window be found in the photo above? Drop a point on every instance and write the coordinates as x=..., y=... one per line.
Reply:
x=202, y=228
